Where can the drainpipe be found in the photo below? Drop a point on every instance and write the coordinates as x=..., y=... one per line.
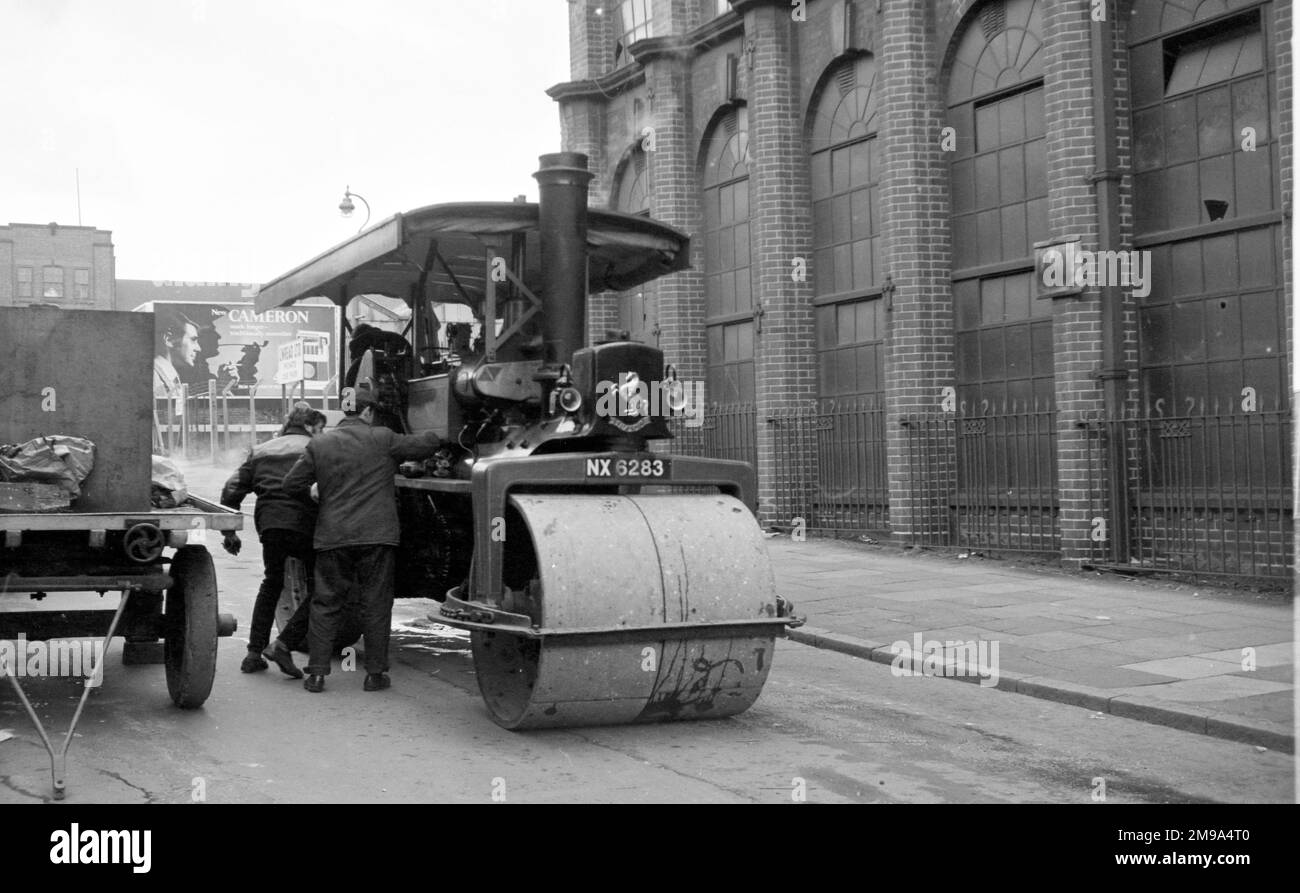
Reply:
x=1113, y=373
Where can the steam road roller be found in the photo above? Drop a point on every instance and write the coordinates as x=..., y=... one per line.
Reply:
x=601, y=581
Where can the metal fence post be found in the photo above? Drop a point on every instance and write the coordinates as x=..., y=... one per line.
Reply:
x=212, y=423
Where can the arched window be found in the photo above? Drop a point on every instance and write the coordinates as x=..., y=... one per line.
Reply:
x=636, y=308
x=848, y=239
x=999, y=208
x=728, y=284
x=1207, y=205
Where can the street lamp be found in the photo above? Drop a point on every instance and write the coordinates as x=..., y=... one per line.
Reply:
x=347, y=207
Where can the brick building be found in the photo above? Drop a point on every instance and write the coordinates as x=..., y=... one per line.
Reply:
x=71, y=266
x=876, y=190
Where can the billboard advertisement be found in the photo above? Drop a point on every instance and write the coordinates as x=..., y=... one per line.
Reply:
x=234, y=350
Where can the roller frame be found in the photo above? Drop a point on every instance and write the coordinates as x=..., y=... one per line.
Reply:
x=493, y=481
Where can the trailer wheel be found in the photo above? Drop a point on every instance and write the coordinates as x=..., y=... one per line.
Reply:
x=190, y=647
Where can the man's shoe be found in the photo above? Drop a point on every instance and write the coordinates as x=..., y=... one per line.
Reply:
x=376, y=682
x=314, y=683
x=253, y=663
x=279, y=654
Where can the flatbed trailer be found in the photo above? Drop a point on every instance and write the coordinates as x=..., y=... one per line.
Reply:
x=168, y=604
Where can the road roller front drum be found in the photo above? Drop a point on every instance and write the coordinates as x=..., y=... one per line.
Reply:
x=643, y=608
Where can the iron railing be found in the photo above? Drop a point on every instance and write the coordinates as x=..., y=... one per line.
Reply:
x=984, y=481
x=1207, y=494
x=841, y=485
x=725, y=432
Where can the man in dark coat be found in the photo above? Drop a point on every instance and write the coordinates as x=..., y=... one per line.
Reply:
x=357, y=533
x=284, y=526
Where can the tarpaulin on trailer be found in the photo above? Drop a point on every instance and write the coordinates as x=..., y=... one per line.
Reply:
x=56, y=459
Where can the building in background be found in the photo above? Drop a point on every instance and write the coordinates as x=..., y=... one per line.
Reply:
x=71, y=266
x=874, y=189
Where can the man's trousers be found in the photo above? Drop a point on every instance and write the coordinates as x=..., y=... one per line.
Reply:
x=277, y=545
x=361, y=577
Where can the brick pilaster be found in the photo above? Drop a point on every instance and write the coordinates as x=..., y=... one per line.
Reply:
x=675, y=200
x=780, y=231
x=1072, y=211
x=591, y=40
x=915, y=188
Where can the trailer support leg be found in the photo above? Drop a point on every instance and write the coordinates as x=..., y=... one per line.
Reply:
x=59, y=758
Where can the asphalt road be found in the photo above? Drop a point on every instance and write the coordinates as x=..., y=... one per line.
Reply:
x=829, y=728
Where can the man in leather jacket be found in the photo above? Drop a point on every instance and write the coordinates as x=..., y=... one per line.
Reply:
x=285, y=526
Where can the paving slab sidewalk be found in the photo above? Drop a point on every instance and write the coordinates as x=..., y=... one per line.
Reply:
x=1165, y=653
x=1202, y=658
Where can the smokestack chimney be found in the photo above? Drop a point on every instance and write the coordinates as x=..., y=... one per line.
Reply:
x=562, y=223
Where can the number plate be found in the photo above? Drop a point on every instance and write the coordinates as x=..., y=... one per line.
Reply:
x=639, y=468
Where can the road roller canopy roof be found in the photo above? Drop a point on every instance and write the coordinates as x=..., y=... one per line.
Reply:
x=454, y=243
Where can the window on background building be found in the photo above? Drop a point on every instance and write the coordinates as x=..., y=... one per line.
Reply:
x=632, y=24
x=1003, y=340
x=728, y=281
x=52, y=282
x=848, y=239
x=1206, y=158
x=636, y=308
x=82, y=282
x=25, y=282
x=711, y=9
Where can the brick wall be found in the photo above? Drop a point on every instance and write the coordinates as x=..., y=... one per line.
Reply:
x=591, y=42
x=915, y=189
x=8, y=276
x=780, y=230
x=70, y=247
x=1072, y=211
x=1285, y=96
x=781, y=63
x=675, y=199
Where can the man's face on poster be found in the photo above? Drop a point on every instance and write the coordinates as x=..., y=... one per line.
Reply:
x=184, y=349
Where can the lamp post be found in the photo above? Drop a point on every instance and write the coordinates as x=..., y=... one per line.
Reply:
x=347, y=207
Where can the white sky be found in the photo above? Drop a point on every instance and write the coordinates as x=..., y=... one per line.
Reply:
x=215, y=137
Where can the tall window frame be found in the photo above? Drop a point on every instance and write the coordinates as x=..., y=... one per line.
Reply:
x=1208, y=210
x=1002, y=335
x=729, y=288
x=846, y=159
